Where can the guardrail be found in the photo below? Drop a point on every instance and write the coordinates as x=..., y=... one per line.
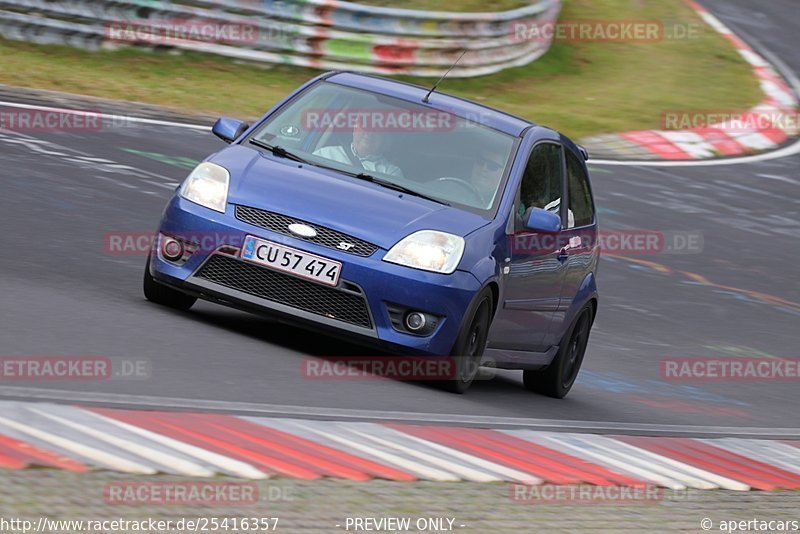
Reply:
x=324, y=34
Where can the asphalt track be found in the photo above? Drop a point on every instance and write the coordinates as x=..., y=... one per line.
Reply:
x=62, y=293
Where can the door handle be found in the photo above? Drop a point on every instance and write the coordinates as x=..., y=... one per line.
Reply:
x=563, y=254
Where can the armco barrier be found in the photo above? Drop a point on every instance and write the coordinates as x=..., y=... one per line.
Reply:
x=321, y=34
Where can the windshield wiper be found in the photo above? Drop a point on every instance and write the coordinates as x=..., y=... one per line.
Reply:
x=278, y=151
x=396, y=187
x=283, y=153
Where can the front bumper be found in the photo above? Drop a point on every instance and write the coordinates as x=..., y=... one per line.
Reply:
x=380, y=284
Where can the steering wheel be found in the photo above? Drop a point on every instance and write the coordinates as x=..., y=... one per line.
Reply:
x=470, y=188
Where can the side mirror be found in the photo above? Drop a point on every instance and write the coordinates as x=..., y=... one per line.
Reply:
x=541, y=220
x=229, y=129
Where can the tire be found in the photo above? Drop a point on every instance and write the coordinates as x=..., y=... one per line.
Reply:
x=161, y=294
x=471, y=343
x=557, y=378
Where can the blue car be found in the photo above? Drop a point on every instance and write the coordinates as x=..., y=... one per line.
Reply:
x=417, y=222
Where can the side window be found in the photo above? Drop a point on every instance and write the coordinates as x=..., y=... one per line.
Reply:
x=580, y=198
x=541, y=183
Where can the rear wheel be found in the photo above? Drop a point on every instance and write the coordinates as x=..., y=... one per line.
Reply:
x=161, y=294
x=557, y=379
x=468, y=349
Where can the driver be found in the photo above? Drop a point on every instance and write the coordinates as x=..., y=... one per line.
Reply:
x=365, y=151
x=487, y=171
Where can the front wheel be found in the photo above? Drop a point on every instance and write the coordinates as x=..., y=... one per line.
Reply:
x=468, y=349
x=557, y=379
x=161, y=294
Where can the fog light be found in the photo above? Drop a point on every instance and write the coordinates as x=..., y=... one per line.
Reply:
x=172, y=249
x=415, y=321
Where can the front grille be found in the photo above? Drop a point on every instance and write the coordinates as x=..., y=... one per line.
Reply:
x=287, y=289
x=325, y=236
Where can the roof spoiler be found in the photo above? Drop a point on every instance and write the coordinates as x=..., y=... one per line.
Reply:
x=584, y=152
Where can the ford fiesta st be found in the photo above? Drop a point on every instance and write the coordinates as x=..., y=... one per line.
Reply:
x=414, y=221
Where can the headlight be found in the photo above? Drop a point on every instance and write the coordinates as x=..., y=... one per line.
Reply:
x=428, y=250
x=207, y=185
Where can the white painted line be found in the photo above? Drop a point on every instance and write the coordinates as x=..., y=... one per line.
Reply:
x=462, y=472
x=779, y=178
x=167, y=461
x=425, y=472
x=779, y=65
x=714, y=22
x=167, y=185
x=624, y=454
x=685, y=472
x=559, y=442
x=718, y=480
x=116, y=182
x=126, y=118
x=290, y=426
x=655, y=462
x=507, y=472
x=755, y=140
x=488, y=421
x=774, y=453
x=77, y=157
x=752, y=58
x=88, y=454
x=226, y=465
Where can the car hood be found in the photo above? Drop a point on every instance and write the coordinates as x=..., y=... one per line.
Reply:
x=376, y=214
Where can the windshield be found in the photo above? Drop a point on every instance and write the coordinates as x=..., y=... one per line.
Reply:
x=431, y=152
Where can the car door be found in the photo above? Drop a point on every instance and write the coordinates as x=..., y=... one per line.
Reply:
x=534, y=270
x=580, y=236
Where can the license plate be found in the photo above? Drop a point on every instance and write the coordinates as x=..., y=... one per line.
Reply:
x=291, y=260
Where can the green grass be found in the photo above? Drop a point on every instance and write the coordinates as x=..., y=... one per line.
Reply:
x=580, y=88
